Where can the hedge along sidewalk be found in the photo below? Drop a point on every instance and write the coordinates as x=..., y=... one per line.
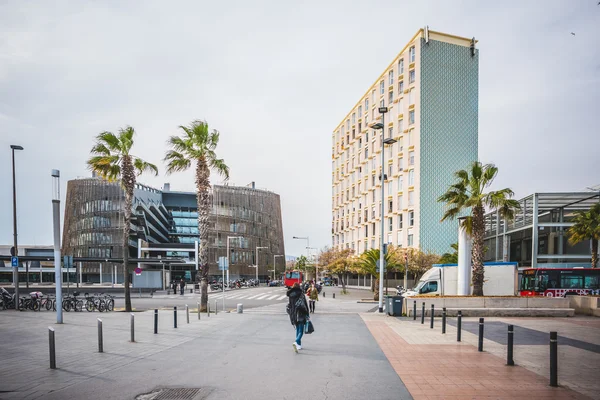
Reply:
x=433, y=365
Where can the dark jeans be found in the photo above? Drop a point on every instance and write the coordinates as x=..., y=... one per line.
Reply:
x=311, y=305
x=299, y=332
x=181, y=291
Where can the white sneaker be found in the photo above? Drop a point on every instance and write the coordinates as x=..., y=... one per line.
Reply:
x=299, y=347
x=296, y=347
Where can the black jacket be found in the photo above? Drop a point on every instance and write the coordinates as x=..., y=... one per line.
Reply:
x=297, y=316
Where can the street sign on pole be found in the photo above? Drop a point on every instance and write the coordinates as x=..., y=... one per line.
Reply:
x=223, y=264
x=138, y=271
x=14, y=261
x=384, y=269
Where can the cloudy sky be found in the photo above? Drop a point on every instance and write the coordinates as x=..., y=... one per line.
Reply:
x=276, y=77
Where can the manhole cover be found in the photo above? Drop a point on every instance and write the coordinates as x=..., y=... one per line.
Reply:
x=175, y=394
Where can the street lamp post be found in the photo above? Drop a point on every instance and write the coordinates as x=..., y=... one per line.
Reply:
x=228, y=238
x=256, y=266
x=274, y=263
x=16, y=251
x=316, y=262
x=307, y=247
x=56, y=218
x=388, y=141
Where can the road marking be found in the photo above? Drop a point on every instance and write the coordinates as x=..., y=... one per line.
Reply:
x=234, y=296
x=282, y=297
x=256, y=295
x=262, y=296
x=272, y=297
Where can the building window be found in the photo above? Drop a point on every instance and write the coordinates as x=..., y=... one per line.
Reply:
x=390, y=132
x=411, y=158
x=400, y=88
x=347, y=124
x=382, y=103
x=411, y=198
x=411, y=54
x=366, y=105
x=390, y=224
x=411, y=117
x=373, y=213
x=373, y=201
x=372, y=243
x=400, y=125
x=373, y=113
x=401, y=105
x=411, y=97
x=411, y=76
x=390, y=171
x=410, y=138
x=411, y=218
x=411, y=177
x=400, y=162
x=391, y=97
x=399, y=239
x=401, y=66
x=410, y=240
x=359, y=111
x=366, y=231
x=400, y=222
x=390, y=205
x=400, y=183
x=389, y=238
x=373, y=228
x=359, y=127
x=391, y=77
x=381, y=87
x=400, y=203
x=367, y=152
x=390, y=187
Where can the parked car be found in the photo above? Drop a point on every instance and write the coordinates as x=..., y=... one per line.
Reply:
x=273, y=283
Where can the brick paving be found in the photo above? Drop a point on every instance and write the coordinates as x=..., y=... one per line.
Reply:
x=435, y=366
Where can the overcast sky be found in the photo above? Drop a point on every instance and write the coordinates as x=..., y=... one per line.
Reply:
x=275, y=78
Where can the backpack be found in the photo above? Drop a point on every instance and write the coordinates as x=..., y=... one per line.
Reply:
x=300, y=305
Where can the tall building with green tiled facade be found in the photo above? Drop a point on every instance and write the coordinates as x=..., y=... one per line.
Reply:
x=431, y=91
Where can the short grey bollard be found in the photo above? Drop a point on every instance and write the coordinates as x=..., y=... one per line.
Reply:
x=480, y=344
x=323, y=293
x=458, y=326
x=423, y=314
x=187, y=313
x=240, y=308
x=553, y=359
x=444, y=320
x=52, y=348
x=216, y=308
x=155, y=321
x=198, y=311
x=100, y=346
x=432, y=312
x=208, y=308
x=174, y=317
x=334, y=295
x=132, y=327
x=414, y=310
x=509, y=346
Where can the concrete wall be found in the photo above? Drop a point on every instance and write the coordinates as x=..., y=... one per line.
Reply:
x=488, y=302
x=585, y=305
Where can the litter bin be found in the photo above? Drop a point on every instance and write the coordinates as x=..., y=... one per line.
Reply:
x=394, y=305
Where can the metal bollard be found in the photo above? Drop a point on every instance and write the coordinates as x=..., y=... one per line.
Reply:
x=216, y=308
x=100, y=344
x=174, y=317
x=155, y=321
x=198, y=311
x=334, y=295
x=414, y=310
x=323, y=293
x=480, y=344
x=191, y=291
x=432, y=311
x=240, y=308
x=52, y=348
x=444, y=320
x=509, y=347
x=554, y=359
x=423, y=313
x=458, y=326
x=187, y=313
x=132, y=327
x=208, y=308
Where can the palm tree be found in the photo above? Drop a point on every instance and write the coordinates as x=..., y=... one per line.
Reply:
x=112, y=160
x=367, y=264
x=197, y=145
x=587, y=227
x=469, y=193
x=450, y=258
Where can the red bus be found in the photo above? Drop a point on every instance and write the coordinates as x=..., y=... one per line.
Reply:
x=292, y=277
x=560, y=282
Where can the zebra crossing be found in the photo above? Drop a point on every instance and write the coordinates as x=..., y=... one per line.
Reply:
x=270, y=295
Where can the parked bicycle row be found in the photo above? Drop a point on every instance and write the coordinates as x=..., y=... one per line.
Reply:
x=37, y=301
x=218, y=285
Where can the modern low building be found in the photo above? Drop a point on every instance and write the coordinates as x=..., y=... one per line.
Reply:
x=537, y=237
x=165, y=225
x=30, y=272
x=431, y=91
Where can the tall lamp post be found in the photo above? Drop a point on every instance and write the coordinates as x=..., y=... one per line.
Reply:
x=228, y=239
x=316, y=262
x=307, y=247
x=274, y=264
x=256, y=266
x=56, y=219
x=16, y=248
x=382, y=250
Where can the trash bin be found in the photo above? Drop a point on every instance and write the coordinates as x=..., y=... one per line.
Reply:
x=394, y=305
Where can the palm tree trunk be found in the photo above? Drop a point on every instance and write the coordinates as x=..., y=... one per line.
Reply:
x=203, y=202
x=478, y=249
x=128, y=182
x=594, y=253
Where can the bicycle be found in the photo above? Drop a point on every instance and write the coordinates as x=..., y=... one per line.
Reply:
x=28, y=303
x=94, y=303
x=72, y=303
x=109, y=302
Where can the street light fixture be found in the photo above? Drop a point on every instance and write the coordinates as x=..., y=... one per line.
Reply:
x=228, y=239
x=274, y=263
x=16, y=248
x=256, y=266
x=56, y=222
x=382, y=250
x=307, y=247
x=316, y=262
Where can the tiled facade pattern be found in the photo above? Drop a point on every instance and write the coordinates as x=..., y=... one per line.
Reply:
x=407, y=88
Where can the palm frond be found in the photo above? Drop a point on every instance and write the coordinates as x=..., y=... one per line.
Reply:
x=451, y=213
x=219, y=166
x=101, y=149
x=142, y=166
x=180, y=145
x=106, y=166
x=126, y=138
x=110, y=141
x=176, y=161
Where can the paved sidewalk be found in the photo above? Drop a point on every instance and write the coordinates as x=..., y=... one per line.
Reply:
x=435, y=366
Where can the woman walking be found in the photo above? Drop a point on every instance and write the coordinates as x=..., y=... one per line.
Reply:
x=313, y=296
x=298, y=311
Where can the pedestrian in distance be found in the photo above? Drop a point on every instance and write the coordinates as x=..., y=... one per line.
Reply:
x=297, y=309
x=313, y=297
x=174, y=287
x=181, y=286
